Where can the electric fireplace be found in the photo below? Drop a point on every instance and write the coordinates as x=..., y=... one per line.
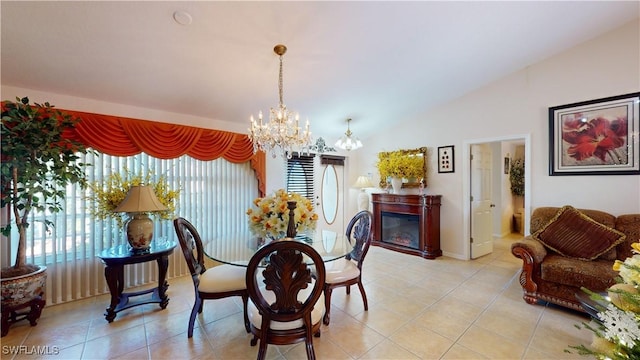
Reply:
x=407, y=223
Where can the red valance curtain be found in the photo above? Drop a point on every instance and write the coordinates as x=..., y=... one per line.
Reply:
x=122, y=136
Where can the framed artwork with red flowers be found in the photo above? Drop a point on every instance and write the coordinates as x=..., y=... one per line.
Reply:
x=595, y=137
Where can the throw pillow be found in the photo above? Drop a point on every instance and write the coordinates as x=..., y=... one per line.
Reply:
x=573, y=234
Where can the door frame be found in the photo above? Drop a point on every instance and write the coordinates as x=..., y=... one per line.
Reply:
x=466, y=183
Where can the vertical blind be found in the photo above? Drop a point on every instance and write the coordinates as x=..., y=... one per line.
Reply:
x=214, y=196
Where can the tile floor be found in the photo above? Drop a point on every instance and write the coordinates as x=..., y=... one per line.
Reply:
x=418, y=309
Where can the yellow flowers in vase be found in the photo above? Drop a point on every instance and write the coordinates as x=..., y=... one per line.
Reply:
x=109, y=193
x=400, y=165
x=269, y=215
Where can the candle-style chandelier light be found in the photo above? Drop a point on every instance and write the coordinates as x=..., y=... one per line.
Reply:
x=282, y=134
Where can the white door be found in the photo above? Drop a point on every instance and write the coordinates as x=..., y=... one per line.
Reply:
x=481, y=206
x=329, y=185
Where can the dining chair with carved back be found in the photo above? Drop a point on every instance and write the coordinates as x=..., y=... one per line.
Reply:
x=216, y=282
x=286, y=302
x=348, y=270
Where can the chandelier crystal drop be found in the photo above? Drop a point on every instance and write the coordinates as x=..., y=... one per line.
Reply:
x=347, y=142
x=282, y=134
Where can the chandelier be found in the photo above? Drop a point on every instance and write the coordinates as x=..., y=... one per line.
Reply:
x=282, y=134
x=346, y=142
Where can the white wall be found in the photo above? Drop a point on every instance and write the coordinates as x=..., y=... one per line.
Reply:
x=518, y=104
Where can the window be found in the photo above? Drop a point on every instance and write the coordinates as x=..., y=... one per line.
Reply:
x=214, y=196
x=300, y=175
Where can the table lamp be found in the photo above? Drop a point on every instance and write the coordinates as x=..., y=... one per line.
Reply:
x=363, y=198
x=139, y=202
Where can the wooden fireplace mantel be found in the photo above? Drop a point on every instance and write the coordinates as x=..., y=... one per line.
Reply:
x=426, y=207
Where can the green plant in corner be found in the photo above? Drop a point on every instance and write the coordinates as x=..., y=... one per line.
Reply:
x=38, y=161
x=516, y=177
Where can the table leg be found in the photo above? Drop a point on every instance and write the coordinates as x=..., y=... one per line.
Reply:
x=115, y=279
x=163, y=265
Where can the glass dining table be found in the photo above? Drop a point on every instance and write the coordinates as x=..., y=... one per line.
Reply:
x=239, y=250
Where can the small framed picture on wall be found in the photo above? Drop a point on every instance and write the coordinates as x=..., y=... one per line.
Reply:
x=445, y=159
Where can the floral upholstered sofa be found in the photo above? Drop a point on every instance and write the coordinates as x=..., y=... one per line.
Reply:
x=572, y=248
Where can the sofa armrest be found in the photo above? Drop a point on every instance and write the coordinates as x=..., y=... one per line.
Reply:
x=530, y=248
x=532, y=252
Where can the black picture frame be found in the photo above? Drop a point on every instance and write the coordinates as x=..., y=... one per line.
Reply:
x=595, y=137
x=446, y=159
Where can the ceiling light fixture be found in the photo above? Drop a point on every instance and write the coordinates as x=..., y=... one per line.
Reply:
x=346, y=142
x=282, y=133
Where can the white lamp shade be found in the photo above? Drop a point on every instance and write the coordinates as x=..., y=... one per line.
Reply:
x=140, y=199
x=363, y=182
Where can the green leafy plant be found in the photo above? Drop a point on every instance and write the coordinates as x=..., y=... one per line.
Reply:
x=38, y=161
x=516, y=177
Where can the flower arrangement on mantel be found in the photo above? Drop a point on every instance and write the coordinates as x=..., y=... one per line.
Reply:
x=109, y=193
x=269, y=216
x=617, y=335
x=400, y=165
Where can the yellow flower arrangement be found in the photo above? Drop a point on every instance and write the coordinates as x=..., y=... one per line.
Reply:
x=110, y=192
x=400, y=165
x=269, y=215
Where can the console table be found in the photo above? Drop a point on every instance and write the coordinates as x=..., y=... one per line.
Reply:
x=421, y=213
x=117, y=257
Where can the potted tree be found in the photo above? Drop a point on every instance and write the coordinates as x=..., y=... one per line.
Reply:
x=37, y=162
x=516, y=177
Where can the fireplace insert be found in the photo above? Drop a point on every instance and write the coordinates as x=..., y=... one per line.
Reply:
x=401, y=229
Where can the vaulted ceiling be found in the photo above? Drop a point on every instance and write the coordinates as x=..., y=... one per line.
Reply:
x=374, y=62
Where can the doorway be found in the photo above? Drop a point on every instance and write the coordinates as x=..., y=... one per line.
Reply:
x=496, y=184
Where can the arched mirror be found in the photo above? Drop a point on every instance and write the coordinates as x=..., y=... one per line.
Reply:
x=329, y=194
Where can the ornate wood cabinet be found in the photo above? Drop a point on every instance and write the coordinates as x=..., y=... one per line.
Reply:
x=407, y=223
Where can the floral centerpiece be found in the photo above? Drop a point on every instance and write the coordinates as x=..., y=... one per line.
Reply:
x=400, y=165
x=617, y=334
x=109, y=193
x=269, y=216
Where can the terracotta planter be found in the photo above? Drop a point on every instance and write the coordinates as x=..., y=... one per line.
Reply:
x=22, y=289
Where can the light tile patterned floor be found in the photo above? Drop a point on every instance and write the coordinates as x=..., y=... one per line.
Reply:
x=418, y=309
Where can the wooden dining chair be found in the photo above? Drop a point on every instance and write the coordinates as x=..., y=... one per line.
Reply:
x=286, y=304
x=348, y=271
x=215, y=283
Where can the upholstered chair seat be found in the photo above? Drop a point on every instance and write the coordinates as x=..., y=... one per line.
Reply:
x=316, y=314
x=341, y=270
x=223, y=278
